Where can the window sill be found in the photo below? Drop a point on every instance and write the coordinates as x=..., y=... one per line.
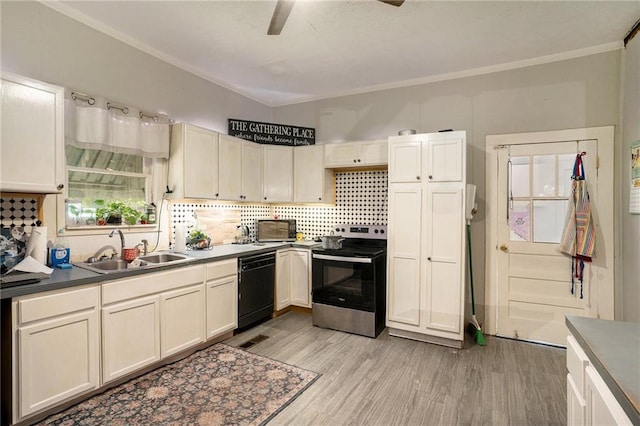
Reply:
x=100, y=229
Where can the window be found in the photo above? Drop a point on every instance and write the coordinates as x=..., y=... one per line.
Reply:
x=106, y=188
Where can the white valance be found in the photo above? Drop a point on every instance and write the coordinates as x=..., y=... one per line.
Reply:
x=95, y=123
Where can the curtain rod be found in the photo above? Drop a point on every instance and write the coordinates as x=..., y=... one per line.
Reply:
x=125, y=110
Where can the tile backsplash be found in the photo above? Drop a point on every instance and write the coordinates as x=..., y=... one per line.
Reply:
x=361, y=198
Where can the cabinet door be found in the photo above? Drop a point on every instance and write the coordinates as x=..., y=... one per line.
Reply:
x=283, y=279
x=130, y=336
x=405, y=161
x=373, y=153
x=309, y=174
x=230, y=168
x=300, y=278
x=182, y=320
x=341, y=155
x=222, y=305
x=278, y=173
x=57, y=359
x=575, y=404
x=444, y=218
x=602, y=406
x=200, y=163
x=444, y=159
x=32, y=148
x=251, y=171
x=403, y=257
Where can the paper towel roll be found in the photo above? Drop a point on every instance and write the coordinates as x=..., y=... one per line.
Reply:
x=37, y=244
x=181, y=238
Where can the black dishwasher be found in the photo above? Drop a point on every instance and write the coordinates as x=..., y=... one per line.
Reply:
x=256, y=281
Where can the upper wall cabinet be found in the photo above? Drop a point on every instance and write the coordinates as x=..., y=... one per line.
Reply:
x=356, y=154
x=278, y=173
x=312, y=183
x=32, y=148
x=433, y=157
x=240, y=169
x=193, y=163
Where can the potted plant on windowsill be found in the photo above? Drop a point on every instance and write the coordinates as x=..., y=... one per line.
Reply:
x=116, y=212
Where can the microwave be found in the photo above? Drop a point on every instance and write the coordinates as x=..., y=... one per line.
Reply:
x=276, y=230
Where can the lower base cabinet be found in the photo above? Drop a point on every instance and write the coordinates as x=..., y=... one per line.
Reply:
x=57, y=355
x=181, y=319
x=293, y=278
x=131, y=336
x=589, y=400
x=222, y=297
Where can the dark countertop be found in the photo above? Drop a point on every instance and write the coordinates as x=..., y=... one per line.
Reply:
x=613, y=348
x=63, y=278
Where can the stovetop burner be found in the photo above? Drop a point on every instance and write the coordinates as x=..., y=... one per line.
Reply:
x=359, y=241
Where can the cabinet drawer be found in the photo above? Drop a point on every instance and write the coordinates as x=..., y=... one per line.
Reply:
x=577, y=361
x=144, y=285
x=54, y=303
x=223, y=268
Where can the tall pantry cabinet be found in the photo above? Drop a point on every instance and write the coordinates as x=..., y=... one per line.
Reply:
x=426, y=238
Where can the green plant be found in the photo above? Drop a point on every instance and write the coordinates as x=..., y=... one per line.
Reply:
x=110, y=211
x=198, y=239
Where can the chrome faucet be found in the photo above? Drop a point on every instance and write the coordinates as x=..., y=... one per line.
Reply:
x=145, y=243
x=121, y=239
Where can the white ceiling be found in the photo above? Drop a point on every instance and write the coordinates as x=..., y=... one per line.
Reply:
x=331, y=48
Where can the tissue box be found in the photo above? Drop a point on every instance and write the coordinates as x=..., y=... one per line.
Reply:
x=60, y=256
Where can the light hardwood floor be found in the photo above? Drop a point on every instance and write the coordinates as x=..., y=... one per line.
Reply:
x=395, y=381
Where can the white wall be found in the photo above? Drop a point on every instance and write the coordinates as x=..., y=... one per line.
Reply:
x=630, y=224
x=582, y=92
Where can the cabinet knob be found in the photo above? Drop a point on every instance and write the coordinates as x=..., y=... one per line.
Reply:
x=429, y=259
x=430, y=177
x=355, y=161
x=358, y=160
x=265, y=198
x=60, y=186
x=217, y=194
x=417, y=177
x=319, y=198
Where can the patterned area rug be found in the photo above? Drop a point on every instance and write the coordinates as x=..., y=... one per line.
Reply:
x=219, y=385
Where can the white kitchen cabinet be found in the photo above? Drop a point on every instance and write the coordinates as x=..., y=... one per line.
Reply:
x=283, y=279
x=130, y=336
x=182, y=320
x=293, y=278
x=138, y=312
x=278, y=173
x=432, y=157
x=300, y=265
x=312, y=183
x=222, y=297
x=356, y=154
x=589, y=399
x=32, y=134
x=240, y=169
x=426, y=243
x=193, y=162
x=57, y=351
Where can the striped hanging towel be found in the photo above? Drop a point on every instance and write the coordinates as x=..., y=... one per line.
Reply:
x=579, y=238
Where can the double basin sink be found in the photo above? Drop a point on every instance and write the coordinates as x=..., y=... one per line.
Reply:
x=142, y=262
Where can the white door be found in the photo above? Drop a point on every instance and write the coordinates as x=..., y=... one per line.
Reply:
x=529, y=280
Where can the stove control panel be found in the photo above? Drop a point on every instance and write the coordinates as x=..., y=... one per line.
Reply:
x=378, y=232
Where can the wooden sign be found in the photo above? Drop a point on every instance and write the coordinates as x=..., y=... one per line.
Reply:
x=272, y=134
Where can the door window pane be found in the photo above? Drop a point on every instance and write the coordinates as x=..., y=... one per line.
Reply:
x=519, y=221
x=548, y=220
x=519, y=176
x=565, y=171
x=544, y=177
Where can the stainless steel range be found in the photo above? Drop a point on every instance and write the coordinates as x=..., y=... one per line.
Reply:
x=349, y=283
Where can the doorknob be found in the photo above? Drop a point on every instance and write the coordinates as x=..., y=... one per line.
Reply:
x=504, y=248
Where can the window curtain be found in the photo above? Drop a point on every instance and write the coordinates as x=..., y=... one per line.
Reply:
x=95, y=123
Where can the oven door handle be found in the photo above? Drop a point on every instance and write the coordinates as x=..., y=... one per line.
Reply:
x=342, y=258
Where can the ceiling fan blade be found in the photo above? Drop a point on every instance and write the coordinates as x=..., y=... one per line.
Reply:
x=396, y=3
x=280, y=15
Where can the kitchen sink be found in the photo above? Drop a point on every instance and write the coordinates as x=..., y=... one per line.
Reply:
x=109, y=266
x=164, y=258
x=142, y=262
